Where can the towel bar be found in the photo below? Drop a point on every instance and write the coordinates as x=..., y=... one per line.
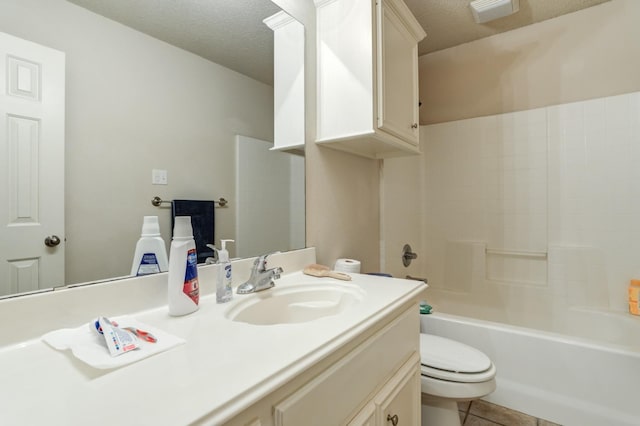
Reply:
x=157, y=201
x=517, y=253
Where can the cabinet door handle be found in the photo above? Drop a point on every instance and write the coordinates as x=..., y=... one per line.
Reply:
x=393, y=419
x=414, y=126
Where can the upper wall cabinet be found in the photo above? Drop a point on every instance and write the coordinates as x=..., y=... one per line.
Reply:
x=288, y=82
x=368, y=77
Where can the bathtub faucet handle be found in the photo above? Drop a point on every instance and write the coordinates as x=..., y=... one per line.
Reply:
x=408, y=255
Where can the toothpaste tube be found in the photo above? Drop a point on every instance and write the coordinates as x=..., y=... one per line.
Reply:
x=118, y=340
x=95, y=326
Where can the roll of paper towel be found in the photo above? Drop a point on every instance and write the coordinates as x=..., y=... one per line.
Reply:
x=347, y=265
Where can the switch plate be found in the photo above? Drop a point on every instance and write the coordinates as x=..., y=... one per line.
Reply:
x=159, y=177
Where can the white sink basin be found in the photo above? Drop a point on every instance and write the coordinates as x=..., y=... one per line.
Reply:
x=295, y=303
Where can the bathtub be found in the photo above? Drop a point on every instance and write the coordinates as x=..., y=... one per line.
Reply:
x=567, y=380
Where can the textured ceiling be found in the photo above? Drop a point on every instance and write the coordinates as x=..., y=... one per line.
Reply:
x=228, y=32
x=231, y=32
x=449, y=23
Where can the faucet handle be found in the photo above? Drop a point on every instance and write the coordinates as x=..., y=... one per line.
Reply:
x=276, y=273
x=261, y=261
x=214, y=259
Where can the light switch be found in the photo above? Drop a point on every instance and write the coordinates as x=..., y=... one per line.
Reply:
x=159, y=177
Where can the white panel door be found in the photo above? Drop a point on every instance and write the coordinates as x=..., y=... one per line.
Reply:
x=32, y=96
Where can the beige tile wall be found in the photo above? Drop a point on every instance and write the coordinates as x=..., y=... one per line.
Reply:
x=525, y=214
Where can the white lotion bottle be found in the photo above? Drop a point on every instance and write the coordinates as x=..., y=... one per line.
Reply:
x=184, y=289
x=151, y=253
x=224, y=292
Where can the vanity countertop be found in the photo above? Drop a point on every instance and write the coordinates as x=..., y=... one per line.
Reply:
x=222, y=369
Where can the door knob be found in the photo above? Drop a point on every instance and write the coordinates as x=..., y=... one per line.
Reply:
x=52, y=241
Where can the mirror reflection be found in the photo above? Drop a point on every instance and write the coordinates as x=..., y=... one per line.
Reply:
x=141, y=118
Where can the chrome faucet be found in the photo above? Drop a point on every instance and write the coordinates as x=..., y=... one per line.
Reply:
x=261, y=277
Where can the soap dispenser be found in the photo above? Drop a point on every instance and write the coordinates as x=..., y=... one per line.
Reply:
x=224, y=292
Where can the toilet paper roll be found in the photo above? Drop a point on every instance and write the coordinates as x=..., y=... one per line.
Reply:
x=347, y=265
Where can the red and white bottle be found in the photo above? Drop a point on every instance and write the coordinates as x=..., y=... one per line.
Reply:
x=184, y=288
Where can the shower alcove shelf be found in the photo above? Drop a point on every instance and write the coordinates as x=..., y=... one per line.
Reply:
x=516, y=266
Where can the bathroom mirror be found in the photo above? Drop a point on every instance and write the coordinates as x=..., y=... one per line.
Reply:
x=135, y=105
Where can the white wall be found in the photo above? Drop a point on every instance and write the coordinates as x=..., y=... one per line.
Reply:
x=270, y=198
x=134, y=104
x=297, y=223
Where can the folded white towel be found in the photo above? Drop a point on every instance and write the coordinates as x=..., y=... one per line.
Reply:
x=90, y=347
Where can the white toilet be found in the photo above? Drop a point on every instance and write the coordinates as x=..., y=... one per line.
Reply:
x=451, y=372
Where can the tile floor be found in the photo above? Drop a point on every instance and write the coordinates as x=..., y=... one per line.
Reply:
x=483, y=413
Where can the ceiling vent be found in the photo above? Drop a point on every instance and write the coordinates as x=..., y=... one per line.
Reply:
x=488, y=10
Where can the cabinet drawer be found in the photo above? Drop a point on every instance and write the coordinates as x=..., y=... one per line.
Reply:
x=399, y=401
x=332, y=397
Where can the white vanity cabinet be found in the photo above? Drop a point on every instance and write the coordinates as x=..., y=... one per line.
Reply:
x=367, y=70
x=364, y=384
x=398, y=402
x=288, y=82
x=354, y=365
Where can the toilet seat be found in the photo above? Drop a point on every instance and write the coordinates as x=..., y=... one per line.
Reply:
x=451, y=372
x=445, y=359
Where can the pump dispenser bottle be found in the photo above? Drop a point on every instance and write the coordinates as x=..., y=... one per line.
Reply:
x=224, y=292
x=184, y=289
x=151, y=254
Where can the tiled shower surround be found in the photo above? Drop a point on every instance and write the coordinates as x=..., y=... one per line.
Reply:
x=528, y=215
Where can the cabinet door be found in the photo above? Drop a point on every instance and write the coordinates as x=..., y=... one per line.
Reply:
x=332, y=397
x=397, y=66
x=366, y=416
x=398, y=402
x=288, y=81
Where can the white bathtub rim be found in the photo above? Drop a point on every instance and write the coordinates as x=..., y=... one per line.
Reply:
x=536, y=333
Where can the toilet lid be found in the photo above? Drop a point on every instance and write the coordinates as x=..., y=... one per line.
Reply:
x=448, y=355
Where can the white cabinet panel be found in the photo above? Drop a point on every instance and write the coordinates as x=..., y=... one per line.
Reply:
x=398, y=403
x=368, y=77
x=366, y=416
x=288, y=81
x=398, y=77
x=332, y=397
